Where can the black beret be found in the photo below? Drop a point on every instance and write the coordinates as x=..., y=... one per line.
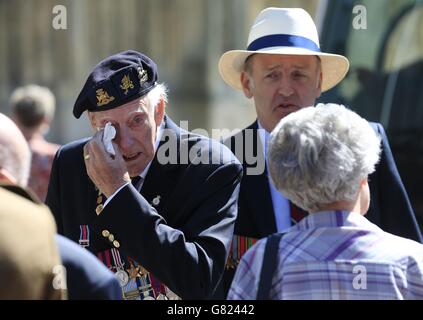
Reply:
x=115, y=81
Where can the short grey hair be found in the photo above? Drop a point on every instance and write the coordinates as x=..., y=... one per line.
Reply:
x=318, y=155
x=248, y=68
x=32, y=104
x=15, y=154
x=155, y=94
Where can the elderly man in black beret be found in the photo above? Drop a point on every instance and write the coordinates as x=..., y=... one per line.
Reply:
x=155, y=203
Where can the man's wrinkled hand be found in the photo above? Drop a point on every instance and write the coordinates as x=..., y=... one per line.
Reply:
x=107, y=173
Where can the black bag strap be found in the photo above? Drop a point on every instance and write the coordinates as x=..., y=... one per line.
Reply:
x=269, y=265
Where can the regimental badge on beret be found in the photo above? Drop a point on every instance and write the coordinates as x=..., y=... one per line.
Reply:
x=126, y=84
x=103, y=97
x=142, y=74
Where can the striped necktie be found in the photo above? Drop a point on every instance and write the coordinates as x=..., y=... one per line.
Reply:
x=137, y=182
x=297, y=214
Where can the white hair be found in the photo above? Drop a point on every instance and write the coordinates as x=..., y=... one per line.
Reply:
x=15, y=154
x=318, y=155
x=157, y=93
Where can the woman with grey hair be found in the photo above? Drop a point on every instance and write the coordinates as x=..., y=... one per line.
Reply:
x=323, y=156
x=320, y=158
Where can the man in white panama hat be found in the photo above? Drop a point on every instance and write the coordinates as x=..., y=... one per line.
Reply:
x=283, y=70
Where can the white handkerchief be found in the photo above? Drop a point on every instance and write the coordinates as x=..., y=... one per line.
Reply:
x=108, y=135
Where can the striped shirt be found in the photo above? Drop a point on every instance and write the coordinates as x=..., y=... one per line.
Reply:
x=335, y=255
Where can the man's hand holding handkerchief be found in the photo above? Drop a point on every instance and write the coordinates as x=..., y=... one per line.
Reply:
x=104, y=162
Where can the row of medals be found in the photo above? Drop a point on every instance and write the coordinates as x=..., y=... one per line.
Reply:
x=129, y=281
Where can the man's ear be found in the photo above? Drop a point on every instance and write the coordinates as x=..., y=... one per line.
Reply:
x=246, y=84
x=159, y=111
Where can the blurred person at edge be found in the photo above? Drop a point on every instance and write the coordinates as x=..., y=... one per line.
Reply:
x=33, y=110
x=35, y=257
x=28, y=250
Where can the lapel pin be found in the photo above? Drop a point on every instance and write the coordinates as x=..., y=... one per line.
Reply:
x=156, y=201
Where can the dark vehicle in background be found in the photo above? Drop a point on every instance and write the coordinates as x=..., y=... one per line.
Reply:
x=385, y=81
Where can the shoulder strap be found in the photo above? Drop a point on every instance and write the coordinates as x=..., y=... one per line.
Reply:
x=269, y=265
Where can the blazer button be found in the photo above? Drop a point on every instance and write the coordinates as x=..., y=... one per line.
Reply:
x=105, y=233
x=111, y=237
x=116, y=244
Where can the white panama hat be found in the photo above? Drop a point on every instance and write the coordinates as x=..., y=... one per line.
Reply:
x=283, y=31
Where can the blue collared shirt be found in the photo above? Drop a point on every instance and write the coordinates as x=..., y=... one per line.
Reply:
x=281, y=206
x=336, y=255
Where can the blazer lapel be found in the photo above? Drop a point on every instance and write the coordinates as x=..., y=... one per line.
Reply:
x=259, y=197
x=160, y=180
x=258, y=192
